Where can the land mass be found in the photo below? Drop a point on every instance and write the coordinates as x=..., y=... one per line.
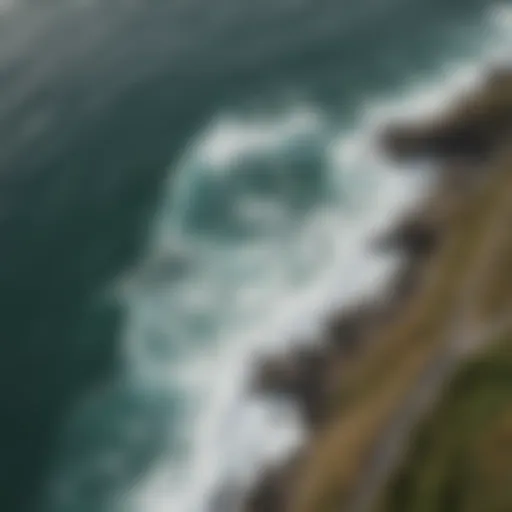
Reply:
x=378, y=384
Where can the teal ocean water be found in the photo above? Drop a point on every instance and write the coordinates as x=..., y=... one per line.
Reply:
x=186, y=186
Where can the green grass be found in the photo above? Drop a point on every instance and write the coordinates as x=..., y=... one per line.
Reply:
x=460, y=460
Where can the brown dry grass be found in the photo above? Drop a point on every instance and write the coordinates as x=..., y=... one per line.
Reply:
x=495, y=298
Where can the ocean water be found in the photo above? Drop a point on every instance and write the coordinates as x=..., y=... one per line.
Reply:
x=187, y=186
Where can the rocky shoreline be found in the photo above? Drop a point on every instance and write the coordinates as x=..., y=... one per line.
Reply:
x=459, y=143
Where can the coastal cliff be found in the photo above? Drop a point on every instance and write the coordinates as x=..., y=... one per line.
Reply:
x=359, y=389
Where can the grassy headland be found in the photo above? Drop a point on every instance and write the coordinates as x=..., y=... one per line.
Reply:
x=465, y=284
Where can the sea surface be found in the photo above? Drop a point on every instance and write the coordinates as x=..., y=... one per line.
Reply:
x=186, y=186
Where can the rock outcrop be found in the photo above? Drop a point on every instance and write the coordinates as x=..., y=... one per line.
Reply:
x=469, y=132
x=304, y=374
x=299, y=376
x=416, y=237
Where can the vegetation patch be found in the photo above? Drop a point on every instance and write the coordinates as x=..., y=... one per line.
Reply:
x=460, y=460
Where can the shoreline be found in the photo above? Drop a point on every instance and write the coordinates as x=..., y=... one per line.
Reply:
x=460, y=143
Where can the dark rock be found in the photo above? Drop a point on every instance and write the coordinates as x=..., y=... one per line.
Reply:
x=499, y=77
x=405, y=283
x=299, y=375
x=268, y=495
x=468, y=143
x=470, y=132
x=417, y=237
x=346, y=331
x=281, y=374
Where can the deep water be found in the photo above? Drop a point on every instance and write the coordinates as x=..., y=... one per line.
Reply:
x=102, y=111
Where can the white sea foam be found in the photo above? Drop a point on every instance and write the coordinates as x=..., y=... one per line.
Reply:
x=248, y=297
x=226, y=142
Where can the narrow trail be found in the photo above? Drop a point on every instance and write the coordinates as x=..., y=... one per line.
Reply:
x=462, y=338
